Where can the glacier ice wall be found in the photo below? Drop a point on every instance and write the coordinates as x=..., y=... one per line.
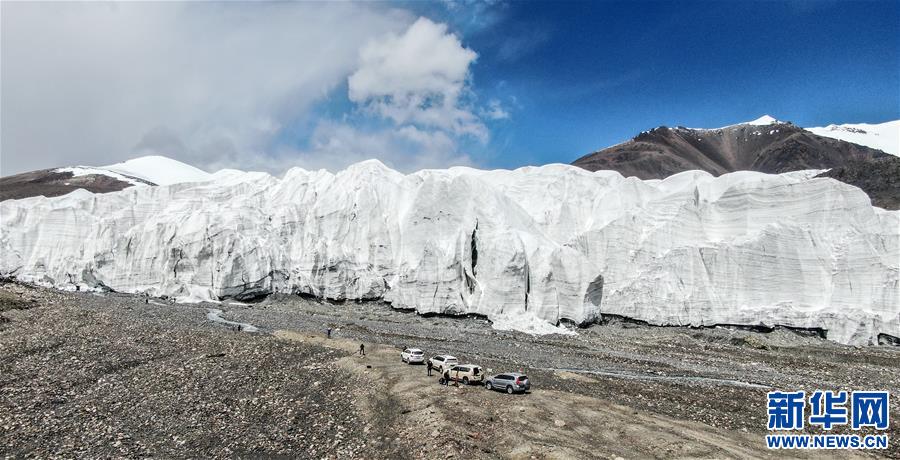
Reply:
x=550, y=243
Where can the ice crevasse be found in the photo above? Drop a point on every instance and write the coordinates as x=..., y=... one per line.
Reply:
x=548, y=244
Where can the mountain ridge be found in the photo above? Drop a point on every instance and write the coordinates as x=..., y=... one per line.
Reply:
x=764, y=145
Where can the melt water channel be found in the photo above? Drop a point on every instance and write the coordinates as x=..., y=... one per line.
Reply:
x=215, y=315
x=669, y=378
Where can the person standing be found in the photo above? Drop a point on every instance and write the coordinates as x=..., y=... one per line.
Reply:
x=428, y=366
x=328, y=332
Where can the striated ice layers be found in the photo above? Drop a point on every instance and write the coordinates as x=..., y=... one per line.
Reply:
x=544, y=244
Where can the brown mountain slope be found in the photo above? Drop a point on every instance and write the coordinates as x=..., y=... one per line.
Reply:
x=774, y=148
x=50, y=182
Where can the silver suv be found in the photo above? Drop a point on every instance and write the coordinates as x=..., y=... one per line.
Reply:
x=511, y=382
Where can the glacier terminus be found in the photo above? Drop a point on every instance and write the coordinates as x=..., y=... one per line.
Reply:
x=531, y=249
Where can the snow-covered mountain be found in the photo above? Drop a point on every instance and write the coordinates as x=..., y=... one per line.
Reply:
x=882, y=136
x=151, y=169
x=529, y=248
x=147, y=170
x=764, y=120
x=159, y=170
x=765, y=144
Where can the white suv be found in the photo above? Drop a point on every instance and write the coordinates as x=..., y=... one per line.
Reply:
x=412, y=355
x=441, y=362
x=466, y=373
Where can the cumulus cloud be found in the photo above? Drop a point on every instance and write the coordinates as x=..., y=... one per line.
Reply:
x=415, y=106
x=209, y=83
x=418, y=77
x=336, y=145
x=235, y=85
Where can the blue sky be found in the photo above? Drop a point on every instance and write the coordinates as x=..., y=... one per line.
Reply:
x=269, y=86
x=586, y=75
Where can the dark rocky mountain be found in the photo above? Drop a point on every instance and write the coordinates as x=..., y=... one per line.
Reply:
x=51, y=182
x=765, y=145
x=880, y=178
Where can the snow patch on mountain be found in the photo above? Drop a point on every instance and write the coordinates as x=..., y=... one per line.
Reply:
x=87, y=171
x=530, y=249
x=160, y=170
x=763, y=121
x=152, y=169
x=882, y=136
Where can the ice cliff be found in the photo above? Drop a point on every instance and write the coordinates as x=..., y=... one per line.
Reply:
x=544, y=244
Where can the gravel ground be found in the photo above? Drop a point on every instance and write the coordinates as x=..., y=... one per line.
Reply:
x=684, y=373
x=92, y=376
x=115, y=375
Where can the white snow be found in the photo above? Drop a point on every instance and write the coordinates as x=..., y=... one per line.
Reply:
x=527, y=322
x=527, y=248
x=883, y=136
x=763, y=121
x=160, y=170
x=87, y=170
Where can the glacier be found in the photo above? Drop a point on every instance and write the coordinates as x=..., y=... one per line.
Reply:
x=528, y=247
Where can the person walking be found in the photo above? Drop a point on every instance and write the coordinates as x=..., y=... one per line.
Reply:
x=428, y=366
x=362, y=349
x=328, y=332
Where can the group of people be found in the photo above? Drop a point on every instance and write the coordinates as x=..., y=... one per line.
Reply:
x=445, y=378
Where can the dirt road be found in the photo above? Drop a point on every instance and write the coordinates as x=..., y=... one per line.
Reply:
x=432, y=421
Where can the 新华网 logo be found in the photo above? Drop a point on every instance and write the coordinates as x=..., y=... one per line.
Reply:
x=795, y=410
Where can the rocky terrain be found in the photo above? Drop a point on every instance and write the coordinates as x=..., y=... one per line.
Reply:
x=880, y=178
x=112, y=375
x=95, y=377
x=50, y=182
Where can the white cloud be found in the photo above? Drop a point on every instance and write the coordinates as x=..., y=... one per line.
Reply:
x=234, y=85
x=416, y=105
x=336, y=145
x=495, y=110
x=418, y=77
x=208, y=83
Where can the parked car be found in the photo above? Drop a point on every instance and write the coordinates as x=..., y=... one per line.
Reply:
x=511, y=382
x=466, y=373
x=441, y=362
x=412, y=355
